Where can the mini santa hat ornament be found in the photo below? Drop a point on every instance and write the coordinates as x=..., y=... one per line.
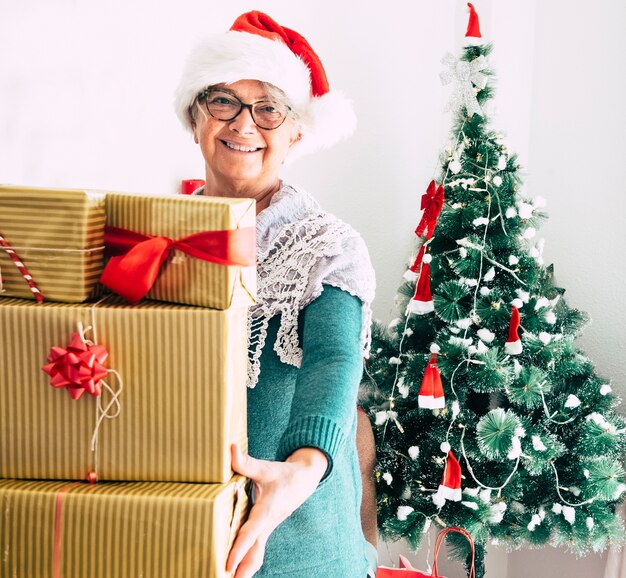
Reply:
x=258, y=48
x=450, y=487
x=422, y=301
x=412, y=273
x=473, y=36
x=513, y=345
x=431, y=394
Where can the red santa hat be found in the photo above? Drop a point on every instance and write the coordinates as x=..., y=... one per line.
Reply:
x=258, y=48
x=412, y=273
x=473, y=36
x=422, y=301
x=513, y=345
x=450, y=487
x=431, y=394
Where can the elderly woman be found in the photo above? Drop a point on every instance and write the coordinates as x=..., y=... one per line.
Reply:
x=252, y=98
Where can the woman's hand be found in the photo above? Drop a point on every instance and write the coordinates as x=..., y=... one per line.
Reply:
x=280, y=489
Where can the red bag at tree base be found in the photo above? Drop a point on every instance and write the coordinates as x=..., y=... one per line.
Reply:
x=407, y=571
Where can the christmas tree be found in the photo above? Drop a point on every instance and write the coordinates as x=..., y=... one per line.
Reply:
x=485, y=413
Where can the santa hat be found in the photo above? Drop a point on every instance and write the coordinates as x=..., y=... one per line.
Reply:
x=473, y=36
x=450, y=487
x=513, y=345
x=422, y=301
x=431, y=394
x=258, y=48
x=412, y=273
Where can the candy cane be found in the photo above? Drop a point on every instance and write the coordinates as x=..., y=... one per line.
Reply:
x=20, y=266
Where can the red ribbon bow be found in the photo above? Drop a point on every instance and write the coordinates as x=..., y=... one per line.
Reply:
x=134, y=271
x=78, y=367
x=432, y=203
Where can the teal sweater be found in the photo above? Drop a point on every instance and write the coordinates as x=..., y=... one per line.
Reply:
x=315, y=406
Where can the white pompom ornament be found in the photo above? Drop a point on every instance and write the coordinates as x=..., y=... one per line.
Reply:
x=489, y=275
x=572, y=401
x=605, y=389
x=486, y=335
x=538, y=445
x=403, y=512
x=525, y=211
x=455, y=166
x=569, y=514
x=550, y=317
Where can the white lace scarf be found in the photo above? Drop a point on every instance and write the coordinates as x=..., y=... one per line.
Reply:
x=300, y=248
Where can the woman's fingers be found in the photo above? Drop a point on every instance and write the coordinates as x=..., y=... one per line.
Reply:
x=251, y=536
x=244, y=464
x=281, y=487
x=252, y=562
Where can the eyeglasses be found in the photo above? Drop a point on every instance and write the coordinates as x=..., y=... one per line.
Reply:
x=266, y=114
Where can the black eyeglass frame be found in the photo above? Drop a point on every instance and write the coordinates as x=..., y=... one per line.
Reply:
x=203, y=97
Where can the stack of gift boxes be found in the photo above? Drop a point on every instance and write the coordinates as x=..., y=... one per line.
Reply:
x=117, y=413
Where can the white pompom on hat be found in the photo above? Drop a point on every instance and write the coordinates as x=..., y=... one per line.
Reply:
x=257, y=48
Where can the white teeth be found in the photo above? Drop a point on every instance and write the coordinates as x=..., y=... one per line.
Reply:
x=240, y=148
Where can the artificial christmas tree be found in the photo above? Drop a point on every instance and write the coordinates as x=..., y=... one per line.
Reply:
x=531, y=423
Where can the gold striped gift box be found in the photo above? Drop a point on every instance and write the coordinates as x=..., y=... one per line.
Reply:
x=118, y=530
x=59, y=236
x=182, y=278
x=182, y=404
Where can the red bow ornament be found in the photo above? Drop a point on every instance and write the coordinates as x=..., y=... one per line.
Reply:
x=78, y=367
x=432, y=203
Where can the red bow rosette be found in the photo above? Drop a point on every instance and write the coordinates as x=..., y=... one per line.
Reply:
x=78, y=367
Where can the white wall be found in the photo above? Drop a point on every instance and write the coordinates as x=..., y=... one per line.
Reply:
x=85, y=101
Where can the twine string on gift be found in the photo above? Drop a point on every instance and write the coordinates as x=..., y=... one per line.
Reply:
x=22, y=269
x=113, y=407
x=57, y=250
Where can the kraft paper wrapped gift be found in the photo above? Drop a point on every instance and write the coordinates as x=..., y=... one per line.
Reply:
x=201, y=244
x=58, y=235
x=118, y=530
x=182, y=404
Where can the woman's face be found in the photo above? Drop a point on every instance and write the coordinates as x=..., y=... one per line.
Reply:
x=239, y=156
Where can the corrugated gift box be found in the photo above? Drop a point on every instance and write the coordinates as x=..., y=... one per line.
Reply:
x=58, y=236
x=118, y=530
x=182, y=375
x=181, y=249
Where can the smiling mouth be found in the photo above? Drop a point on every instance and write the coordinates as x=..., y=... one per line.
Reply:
x=240, y=148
